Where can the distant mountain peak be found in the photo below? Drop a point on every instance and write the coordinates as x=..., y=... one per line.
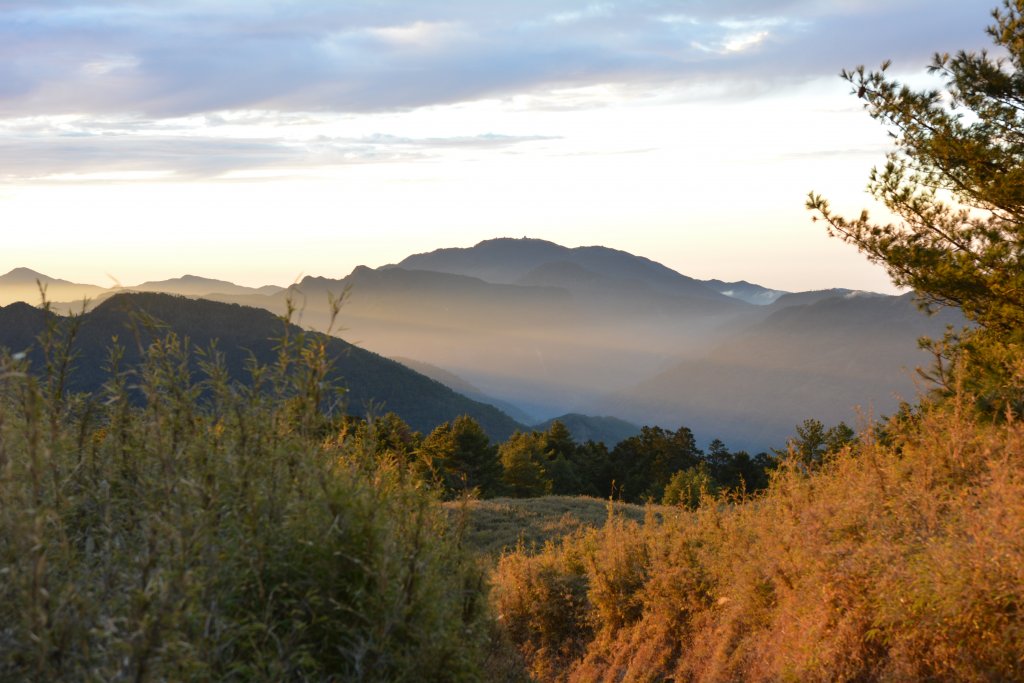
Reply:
x=22, y=274
x=509, y=260
x=517, y=241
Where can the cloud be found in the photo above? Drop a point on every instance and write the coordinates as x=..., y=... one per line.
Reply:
x=65, y=149
x=163, y=59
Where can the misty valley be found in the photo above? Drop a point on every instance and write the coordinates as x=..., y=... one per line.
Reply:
x=540, y=331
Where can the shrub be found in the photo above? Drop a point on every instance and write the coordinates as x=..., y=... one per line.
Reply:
x=894, y=561
x=216, y=531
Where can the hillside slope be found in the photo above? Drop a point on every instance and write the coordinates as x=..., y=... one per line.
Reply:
x=372, y=381
x=820, y=360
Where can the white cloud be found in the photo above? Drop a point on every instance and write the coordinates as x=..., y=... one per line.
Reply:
x=173, y=59
x=110, y=64
x=594, y=11
x=744, y=41
x=424, y=34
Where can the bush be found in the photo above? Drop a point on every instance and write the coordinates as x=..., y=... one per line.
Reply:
x=895, y=561
x=216, y=531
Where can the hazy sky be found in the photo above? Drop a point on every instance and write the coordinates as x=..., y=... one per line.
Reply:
x=258, y=141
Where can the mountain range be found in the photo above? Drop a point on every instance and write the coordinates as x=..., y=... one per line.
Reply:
x=543, y=330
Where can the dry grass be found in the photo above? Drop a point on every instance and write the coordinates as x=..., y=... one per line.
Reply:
x=899, y=562
x=503, y=524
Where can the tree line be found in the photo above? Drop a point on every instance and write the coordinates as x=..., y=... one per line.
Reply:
x=657, y=465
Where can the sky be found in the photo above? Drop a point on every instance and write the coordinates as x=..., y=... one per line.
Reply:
x=260, y=141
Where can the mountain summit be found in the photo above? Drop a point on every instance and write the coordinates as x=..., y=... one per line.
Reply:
x=509, y=261
x=22, y=284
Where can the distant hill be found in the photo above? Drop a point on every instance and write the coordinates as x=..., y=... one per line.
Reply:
x=561, y=335
x=814, y=296
x=507, y=260
x=608, y=430
x=193, y=285
x=746, y=291
x=538, y=330
x=456, y=383
x=370, y=379
x=21, y=285
x=815, y=360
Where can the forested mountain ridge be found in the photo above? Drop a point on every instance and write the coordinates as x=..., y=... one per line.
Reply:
x=372, y=381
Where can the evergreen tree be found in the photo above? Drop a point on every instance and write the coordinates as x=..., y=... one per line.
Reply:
x=687, y=487
x=594, y=469
x=560, y=460
x=737, y=471
x=644, y=463
x=462, y=457
x=813, y=444
x=521, y=460
x=956, y=184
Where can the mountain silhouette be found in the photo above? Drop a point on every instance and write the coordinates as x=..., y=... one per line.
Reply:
x=22, y=284
x=373, y=383
x=606, y=429
x=507, y=260
x=194, y=285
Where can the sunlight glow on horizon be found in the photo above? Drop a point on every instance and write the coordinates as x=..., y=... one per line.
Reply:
x=708, y=177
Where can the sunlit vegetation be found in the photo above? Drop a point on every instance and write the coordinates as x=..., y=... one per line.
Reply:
x=896, y=562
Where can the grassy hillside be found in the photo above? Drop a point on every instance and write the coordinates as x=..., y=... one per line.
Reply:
x=504, y=524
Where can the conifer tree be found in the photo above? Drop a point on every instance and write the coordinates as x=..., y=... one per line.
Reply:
x=523, y=474
x=463, y=457
x=955, y=180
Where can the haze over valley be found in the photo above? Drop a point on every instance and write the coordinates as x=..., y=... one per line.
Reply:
x=540, y=331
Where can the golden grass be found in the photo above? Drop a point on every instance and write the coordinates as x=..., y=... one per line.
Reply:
x=898, y=562
x=503, y=524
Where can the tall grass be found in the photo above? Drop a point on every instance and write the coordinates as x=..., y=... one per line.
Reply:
x=897, y=561
x=192, y=528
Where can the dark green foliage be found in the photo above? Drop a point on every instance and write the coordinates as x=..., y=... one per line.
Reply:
x=387, y=434
x=594, y=469
x=462, y=458
x=687, y=487
x=737, y=471
x=537, y=463
x=560, y=459
x=647, y=461
x=180, y=525
x=608, y=430
x=968, y=144
x=956, y=182
x=813, y=444
x=522, y=461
